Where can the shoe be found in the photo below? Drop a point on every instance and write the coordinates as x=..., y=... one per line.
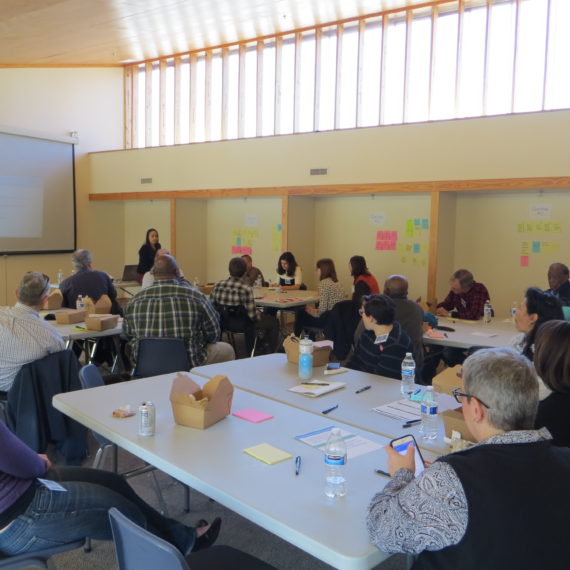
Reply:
x=210, y=536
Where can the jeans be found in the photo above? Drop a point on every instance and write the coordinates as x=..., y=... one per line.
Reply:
x=55, y=518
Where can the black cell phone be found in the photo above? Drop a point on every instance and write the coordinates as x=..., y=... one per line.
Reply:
x=333, y=365
x=401, y=444
x=444, y=328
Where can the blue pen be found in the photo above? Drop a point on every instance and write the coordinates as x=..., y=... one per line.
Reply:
x=297, y=464
x=329, y=410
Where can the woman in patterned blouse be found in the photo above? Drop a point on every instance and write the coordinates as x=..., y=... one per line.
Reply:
x=330, y=293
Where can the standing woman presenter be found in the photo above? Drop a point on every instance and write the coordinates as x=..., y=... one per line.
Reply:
x=147, y=253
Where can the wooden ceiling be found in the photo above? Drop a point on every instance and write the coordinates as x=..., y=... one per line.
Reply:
x=117, y=32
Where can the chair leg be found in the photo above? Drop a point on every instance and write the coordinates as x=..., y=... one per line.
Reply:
x=253, y=349
x=186, y=498
x=160, y=498
x=87, y=545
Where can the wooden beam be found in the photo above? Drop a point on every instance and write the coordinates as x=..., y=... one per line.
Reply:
x=173, y=227
x=490, y=184
x=433, y=246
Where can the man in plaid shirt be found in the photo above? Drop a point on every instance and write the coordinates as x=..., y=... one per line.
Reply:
x=234, y=292
x=167, y=309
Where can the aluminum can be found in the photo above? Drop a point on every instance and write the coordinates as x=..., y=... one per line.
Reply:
x=147, y=419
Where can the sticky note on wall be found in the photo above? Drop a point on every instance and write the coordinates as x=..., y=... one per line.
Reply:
x=524, y=261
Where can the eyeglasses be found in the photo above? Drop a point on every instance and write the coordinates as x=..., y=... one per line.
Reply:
x=457, y=394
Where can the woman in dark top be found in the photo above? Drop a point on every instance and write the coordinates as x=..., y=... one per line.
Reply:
x=552, y=363
x=537, y=308
x=289, y=274
x=33, y=517
x=364, y=282
x=147, y=253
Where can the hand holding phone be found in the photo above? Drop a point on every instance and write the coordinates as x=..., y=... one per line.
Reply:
x=401, y=445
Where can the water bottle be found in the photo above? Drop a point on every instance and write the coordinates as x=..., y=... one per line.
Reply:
x=335, y=460
x=60, y=276
x=514, y=309
x=258, y=283
x=80, y=303
x=487, y=312
x=408, y=375
x=430, y=423
x=305, y=359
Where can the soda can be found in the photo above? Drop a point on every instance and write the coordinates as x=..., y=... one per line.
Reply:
x=147, y=419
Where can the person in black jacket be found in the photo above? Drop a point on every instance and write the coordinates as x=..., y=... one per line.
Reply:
x=559, y=283
x=147, y=253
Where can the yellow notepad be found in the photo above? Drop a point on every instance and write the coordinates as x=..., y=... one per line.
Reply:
x=267, y=453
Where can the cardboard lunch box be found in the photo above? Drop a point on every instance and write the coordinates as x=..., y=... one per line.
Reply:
x=101, y=322
x=453, y=420
x=197, y=407
x=101, y=307
x=70, y=316
x=54, y=300
x=321, y=350
x=447, y=380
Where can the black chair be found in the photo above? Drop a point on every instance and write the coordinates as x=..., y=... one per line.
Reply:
x=37, y=559
x=235, y=320
x=157, y=356
x=139, y=549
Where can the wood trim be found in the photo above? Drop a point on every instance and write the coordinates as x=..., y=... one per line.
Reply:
x=177, y=97
x=433, y=246
x=148, y=105
x=129, y=100
x=285, y=223
x=488, y=184
x=162, y=103
x=173, y=227
x=338, y=78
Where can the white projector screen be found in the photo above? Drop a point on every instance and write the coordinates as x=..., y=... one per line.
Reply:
x=37, y=195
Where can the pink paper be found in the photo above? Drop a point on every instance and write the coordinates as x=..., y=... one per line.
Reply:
x=392, y=245
x=252, y=415
x=379, y=245
x=246, y=249
x=236, y=248
x=524, y=260
x=394, y=235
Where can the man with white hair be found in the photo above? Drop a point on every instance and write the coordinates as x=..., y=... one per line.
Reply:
x=87, y=281
x=24, y=335
x=503, y=503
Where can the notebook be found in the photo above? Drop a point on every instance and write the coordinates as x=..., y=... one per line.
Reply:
x=314, y=390
x=267, y=453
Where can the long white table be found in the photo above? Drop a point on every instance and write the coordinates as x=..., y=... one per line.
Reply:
x=271, y=376
x=468, y=334
x=212, y=461
x=269, y=297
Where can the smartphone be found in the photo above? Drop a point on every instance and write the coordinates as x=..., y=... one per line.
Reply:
x=333, y=365
x=401, y=444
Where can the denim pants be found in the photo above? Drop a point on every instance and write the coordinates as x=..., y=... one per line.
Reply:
x=55, y=518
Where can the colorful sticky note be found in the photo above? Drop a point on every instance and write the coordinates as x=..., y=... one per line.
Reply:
x=379, y=245
x=556, y=227
x=524, y=260
x=425, y=224
x=236, y=249
x=416, y=248
x=394, y=235
x=417, y=222
x=410, y=228
x=246, y=249
x=525, y=247
x=535, y=247
x=278, y=227
x=252, y=415
x=392, y=245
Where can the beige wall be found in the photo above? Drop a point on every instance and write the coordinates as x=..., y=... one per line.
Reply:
x=54, y=102
x=191, y=228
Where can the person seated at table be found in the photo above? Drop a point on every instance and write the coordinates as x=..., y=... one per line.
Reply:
x=24, y=335
x=330, y=293
x=167, y=309
x=364, y=283
x=552, y=364
x=383, y=345
x=289, y=275
x=33, y=517
x=87, y=281
x=252, y=273
x=537, y=308
x=234, y=292
x=464, y=511
x=558, y=281
x=147, y=253
x=466, y=299
x=148, y=277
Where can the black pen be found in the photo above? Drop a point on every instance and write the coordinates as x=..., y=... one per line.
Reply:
x=328, y=410
x=297, y=464
x=411, y=423
x=381, y=472
x=315, y=384
x=363, y=389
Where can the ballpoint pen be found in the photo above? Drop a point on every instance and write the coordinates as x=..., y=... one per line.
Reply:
x=411, y=423
x=382, y=472
x=315, y=384
x=297, y=464
x=363, y=389
x=328, y=410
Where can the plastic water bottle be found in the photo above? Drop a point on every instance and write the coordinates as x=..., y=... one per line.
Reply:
x=335, y=461
x=430, y=423
x=487, y=312
x=258, y=282
x=80, y=303
x=305, y=359
x=408, y=375
x=60, y=276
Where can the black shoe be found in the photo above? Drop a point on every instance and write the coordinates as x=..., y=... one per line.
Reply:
x=209, y=537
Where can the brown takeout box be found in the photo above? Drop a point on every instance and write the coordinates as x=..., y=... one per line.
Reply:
x=101, y=307
x=321, y=350
x=197, y=407
x=70, y=316
x=454, y=421
x=101, y=322
x=447, y=380
x=54, y=300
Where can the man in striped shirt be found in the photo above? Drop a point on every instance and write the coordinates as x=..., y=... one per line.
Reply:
x=167, y=309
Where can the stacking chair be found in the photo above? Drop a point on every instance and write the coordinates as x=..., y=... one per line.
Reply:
x=139, y=549
x=37, y=559
x=157, y=356
x=235, y=320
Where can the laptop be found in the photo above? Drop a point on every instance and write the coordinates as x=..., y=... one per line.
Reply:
x=129, y=273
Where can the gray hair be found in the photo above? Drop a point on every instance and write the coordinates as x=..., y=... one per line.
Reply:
x=506, y=381
x=81, y=259
x=396, y=286
x=33, y=288
x=164, y=265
